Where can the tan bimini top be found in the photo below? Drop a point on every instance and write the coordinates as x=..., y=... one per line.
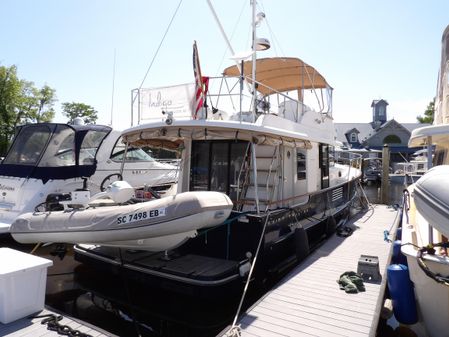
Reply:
x=280, y=74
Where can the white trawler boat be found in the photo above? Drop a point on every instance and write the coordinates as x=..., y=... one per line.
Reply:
x=425, y=225
x=48, y=158
x=273, y=157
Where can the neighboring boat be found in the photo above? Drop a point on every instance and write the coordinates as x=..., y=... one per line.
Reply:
x=273, y=158
x=409, y=172
x=406, y=173
x=425, y=225
x=47, y=158
x=156, y=225
x=372, y=170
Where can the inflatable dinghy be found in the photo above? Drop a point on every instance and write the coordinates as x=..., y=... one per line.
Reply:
x=154, y=225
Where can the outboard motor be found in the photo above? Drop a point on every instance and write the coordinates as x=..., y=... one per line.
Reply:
x=52, y=202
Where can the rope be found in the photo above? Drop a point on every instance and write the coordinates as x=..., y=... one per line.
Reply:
x=127, y=292
x=35, y=248
x=369, y=205
x=422, y=264
x=387, y=233
x=235, y=329
x=159, y=47
x=53, y=324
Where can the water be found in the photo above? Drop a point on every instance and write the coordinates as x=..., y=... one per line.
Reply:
x=373, y=192
x=127, y=308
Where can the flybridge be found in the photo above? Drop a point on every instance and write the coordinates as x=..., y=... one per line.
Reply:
x=285, y=87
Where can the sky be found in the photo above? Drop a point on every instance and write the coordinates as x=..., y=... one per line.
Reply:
x=96, y=51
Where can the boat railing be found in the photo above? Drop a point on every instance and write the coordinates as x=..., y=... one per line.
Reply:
x=227, y=93
x=227, y=98
x=348, y=158
x=304, y=198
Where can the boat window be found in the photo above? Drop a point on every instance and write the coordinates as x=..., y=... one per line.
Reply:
x=60, y=149
x=216, y=166
x=324, y=165
x=219, y=167
x=301, y=164
x=89, y=147
x=439, y=157
x=332, y=156
x=133, y=153
x=199, y=177
x=28, y=146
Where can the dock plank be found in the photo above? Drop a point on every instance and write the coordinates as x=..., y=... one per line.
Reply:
x=32, y=327
x=308, y=301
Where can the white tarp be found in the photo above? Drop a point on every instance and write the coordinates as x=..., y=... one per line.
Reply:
x=177, y=99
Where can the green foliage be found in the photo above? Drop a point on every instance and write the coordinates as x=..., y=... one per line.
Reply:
x=428, y=114
x=11, y=89
x=21, y=102
x=84, y=111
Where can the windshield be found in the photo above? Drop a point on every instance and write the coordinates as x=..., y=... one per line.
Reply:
x=133, y=154
x=29, y=145
x=45, y=146
x=60, y=150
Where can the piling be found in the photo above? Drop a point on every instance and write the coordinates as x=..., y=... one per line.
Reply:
x=384, y=187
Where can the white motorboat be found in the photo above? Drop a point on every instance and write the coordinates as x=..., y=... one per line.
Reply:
x=425, y=224
x=155, y=225
x=266, y=139
x=48, y=158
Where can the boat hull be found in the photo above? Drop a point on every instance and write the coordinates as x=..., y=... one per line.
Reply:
x=432, y=200
x=432, y=298
x=216, y=262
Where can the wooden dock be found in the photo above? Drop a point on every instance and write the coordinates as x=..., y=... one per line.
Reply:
x=32, y=327
x=309, y=302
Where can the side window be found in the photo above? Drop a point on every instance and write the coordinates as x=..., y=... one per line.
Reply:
x=439, y=157
x=324, y=165
x=132, y=155
x=118, y=150
x=301, y=164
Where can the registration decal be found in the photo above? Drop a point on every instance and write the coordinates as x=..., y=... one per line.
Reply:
x=141, y=215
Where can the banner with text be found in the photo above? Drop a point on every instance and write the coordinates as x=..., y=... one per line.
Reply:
x=177, y=99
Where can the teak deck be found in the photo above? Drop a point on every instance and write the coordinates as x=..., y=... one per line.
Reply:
x=27, y=327
x=308, y=302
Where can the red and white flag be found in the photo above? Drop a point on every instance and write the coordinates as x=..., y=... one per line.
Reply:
x=201, y=83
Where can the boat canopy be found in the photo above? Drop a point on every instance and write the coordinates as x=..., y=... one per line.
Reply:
x=173, y=137
x=281, y=74
x=437, y=133
x=54, y=151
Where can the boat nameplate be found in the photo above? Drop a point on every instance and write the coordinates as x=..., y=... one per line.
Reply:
x=141, y=215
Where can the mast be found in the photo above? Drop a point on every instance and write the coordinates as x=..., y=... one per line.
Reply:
x=253, y=47
x=253, y=146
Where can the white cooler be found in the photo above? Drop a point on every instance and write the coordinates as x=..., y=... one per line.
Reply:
x=23, y=278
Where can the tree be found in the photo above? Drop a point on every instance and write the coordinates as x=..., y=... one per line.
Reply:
x=46, y=98
x=21, y=102
x=10, y=98
x=428, y=114
x=36, y=105
x=74, y=110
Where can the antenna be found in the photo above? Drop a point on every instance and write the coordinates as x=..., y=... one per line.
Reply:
x=113, y=88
